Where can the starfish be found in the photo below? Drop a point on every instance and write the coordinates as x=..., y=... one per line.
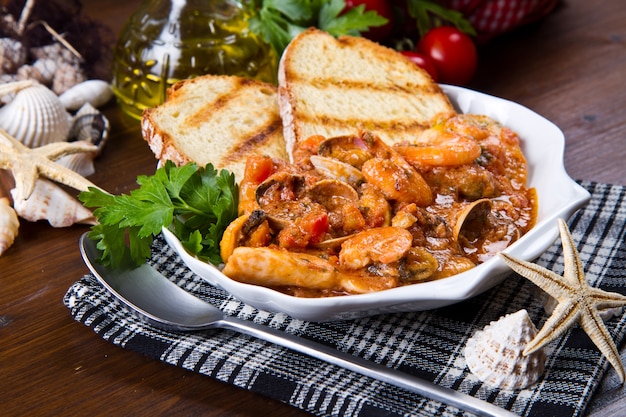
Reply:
x=578, y=302
x=28, y=164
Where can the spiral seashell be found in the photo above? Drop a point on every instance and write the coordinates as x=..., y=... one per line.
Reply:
x=9, y=224
x=35, y=116
x=494, y=354
x=49, y=202
x=94, y=92
x=89, y=125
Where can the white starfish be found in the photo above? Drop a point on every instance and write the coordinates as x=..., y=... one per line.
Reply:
x=578, y=302
x=28, y=164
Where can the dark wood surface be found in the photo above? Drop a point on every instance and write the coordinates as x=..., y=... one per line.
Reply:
x=570, y=67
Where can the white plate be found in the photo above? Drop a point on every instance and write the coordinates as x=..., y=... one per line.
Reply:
x=558, y=197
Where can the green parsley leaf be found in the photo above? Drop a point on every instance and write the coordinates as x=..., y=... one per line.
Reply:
x=279, y=21
x=197, y=203
x=429, y=14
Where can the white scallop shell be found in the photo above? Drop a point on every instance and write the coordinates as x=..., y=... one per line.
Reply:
x=94, y=92
x=49, y=202
x=9, y=224
x=35, y=116
x=494, y=354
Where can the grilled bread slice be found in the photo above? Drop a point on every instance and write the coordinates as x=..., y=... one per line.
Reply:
x=216, y=119
x=338, y=86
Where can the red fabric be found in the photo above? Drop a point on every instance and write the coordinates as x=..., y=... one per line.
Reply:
x=494, y=17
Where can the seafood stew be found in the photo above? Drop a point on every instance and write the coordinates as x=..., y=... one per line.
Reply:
x=352, y=215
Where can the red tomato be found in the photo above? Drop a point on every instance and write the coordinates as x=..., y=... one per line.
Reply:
x=453, y=53
x=258, y=168
x=423, y=61
x=383, y=8
x=315, y=225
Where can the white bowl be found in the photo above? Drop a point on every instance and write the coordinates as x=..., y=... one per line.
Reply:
x=558, y=197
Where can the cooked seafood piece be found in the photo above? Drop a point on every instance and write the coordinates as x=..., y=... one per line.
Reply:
x=352, y=150
x=336, y=169
x=396, y=182
x=333, y=194
x=438, y=147
x=277, y=267
x=378, y=245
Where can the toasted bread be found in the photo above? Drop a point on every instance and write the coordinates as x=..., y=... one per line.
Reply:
x=216, y=119
x=338, y=86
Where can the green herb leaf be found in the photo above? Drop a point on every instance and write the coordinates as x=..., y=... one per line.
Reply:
x=197, y=203
x=279, y=21
x=429, y=14
x=353, y=22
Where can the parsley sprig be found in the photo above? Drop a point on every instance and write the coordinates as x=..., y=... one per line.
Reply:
x=278, y=21
x=197, y=203
x=429, y=14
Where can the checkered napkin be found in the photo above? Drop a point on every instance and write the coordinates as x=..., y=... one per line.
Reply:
x=491, y=18
x=427, y=344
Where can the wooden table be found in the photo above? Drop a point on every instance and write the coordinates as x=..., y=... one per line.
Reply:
x=570, y=67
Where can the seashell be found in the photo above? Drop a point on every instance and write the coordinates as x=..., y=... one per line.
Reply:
x=35, y=116
x=91, y=126
x=6, y=79
x=476, y=211
x=67, y=76
x=334, y=168
x=13, y=55
x=494, y=354
x=94, y=92
x=350, y=149
x=9, y=224
x=41, y=71
x=8, y=90
x=49, y=202
x=55, y=51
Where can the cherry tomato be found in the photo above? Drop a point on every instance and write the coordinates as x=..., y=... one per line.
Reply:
x=423, y=61
x=453, y=53
x=383, y=8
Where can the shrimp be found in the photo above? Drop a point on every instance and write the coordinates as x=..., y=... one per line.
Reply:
x=441, y=148
x=375, y=208
x=382, y=244
x=396, y=182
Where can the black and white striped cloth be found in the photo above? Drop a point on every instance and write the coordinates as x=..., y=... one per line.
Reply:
x=428, y=344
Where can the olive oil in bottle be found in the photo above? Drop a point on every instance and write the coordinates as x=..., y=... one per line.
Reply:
x=165, y=41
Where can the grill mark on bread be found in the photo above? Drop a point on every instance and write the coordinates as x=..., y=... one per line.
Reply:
x=208, y=110
x=251, y=145
x=329, y=122
x=366, y=87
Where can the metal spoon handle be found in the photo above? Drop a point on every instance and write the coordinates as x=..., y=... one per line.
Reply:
x=354, y=363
